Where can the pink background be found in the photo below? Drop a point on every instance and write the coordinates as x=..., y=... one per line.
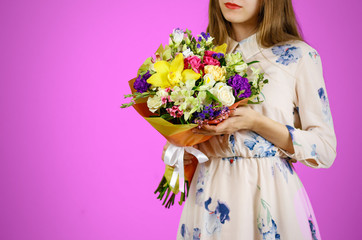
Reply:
x=73, y=165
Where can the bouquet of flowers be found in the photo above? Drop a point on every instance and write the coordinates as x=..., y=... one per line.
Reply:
x=189, y=83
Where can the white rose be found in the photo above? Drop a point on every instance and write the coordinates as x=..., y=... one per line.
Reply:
x=219, y=85
x=178, y=35
x=216, y=88
x=154, y=103
x=225, y=95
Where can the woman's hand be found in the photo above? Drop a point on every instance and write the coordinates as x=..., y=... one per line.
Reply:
x=188, y=158
x=243, y=117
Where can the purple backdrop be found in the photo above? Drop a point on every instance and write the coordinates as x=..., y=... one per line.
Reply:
x=76, y=166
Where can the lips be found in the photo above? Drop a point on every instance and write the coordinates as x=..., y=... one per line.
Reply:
x=232, y=5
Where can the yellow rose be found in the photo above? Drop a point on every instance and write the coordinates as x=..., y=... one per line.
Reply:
x=217, y=72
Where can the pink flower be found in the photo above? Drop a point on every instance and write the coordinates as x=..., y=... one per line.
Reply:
x=193, y=62
x=211, y=61
x=179, y=114
x=174, y=111
x=165, y=99
x=209, y=53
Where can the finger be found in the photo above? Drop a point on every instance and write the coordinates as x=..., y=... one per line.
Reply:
x=238, y=111
x=210, y=129
x=216, y=129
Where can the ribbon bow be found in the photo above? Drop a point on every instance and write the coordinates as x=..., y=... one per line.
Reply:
x=174, y=156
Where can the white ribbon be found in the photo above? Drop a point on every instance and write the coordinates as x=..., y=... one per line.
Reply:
x=174, y=156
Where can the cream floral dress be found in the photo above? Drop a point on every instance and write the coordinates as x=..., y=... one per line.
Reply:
x=249, y=188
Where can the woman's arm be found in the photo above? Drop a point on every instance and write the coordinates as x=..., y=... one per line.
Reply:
x=314, y=143
x=245, y=118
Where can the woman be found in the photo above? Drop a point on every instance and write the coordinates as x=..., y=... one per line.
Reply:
x=249, y=188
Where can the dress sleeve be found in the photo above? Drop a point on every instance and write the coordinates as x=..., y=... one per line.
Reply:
x=315, y=141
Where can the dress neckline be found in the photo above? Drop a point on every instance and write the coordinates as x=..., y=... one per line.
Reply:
x=247, y=39
x=248, y=46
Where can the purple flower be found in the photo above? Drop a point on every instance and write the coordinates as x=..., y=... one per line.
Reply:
x=217, y=55
x=206, y=36
x=210, y=112
x=141, y=84
x=201, y=116
x=239, y=83
x=198, y=45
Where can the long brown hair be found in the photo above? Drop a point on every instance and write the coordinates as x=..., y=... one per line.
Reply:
x=276, y=23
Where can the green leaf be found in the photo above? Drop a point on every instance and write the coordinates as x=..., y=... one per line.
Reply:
x=252, y=62
x=145, y=66
x=125, y=105
x=241, y=92
x=212, y=96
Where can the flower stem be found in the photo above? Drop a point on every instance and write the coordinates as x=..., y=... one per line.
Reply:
x=169, y=200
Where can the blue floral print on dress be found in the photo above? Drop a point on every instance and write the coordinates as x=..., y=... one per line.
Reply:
x=266, y=224
x=314, y=55
x=215, y=218
x=259, y=146
x=287, y=54
x=200, y=184
x=232, y=147
x=285, y=167
x=291, y=132
x=325, y=106
x=197, y=234
x=314, y=151
x=312, y=228
x=185, y=234
x=272, y=233
x=232, y=142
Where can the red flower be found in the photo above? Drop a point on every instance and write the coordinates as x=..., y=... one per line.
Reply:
x=209, y=53
x=211, y=61
x=193, y=62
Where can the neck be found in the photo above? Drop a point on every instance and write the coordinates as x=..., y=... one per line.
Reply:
x=243, y=30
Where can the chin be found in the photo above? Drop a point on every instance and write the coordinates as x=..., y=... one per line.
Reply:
x=235, y=19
